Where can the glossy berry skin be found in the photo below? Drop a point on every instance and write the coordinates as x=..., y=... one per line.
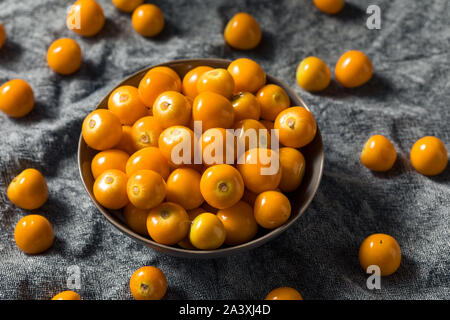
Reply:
x=213, y=110
x=67, y=295
x=429, y=156
x=189, y=86
x=108, y=159
x=177, y=138
x=246, y=106
x=126, y=104
x=86, y=18
x=247, y=75
x=250, y=134
x=34, y=234
x=169, y=71
x=28, y=190
x=101, y=129
x=378, y=154
x=127, y=5
x=353, y=69
x=272, y=100
x=148, y=20
x=16, y=98
x=222, y=186
x=168, y=223
x=381, y=250
x=329, y=6
x=210, y=146
x=150, y=158
x=284, y=293
x=145, y=132
x=183, y=187
x=153, y=84
x=126, y=142
x=207, y=232
x=64, y=56
x=243, y=32
x=110, y=189
x=146, y=189
x=313, y=74
x=194, y=213
x=271, y=209
x=217, y=80
x=260, y=170
x=293, y=166
x=239, y=222
x=296, y=127
x=136, y=219
x=148, y=283
x=2, y=36
x=172, y=108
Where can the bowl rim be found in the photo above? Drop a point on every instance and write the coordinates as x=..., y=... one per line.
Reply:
x=220, y=252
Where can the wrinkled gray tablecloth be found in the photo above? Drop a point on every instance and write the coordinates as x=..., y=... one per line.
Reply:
x=408, y=97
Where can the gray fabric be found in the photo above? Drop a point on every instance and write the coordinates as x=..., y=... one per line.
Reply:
x=408, y=98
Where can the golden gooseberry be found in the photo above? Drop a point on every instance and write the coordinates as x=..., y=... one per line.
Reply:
x=329, y=6
x=127, y=5
x=247, y=75
x=313, y=74
x=85, y=18
x=148, y=20
x=28, y=190
x=33, y=234
x=380, y=250
x=378, y=154
x=64, y=56
x=16, y=98
x=101, y=129
x=353, y=69
x=284, y=293
x=243, y=32
x=67, y=295
x=429, y=156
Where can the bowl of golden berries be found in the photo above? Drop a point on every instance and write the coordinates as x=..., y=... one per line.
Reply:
x=201, y=157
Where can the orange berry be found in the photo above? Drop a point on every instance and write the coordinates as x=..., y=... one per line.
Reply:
x=272, y=100
x=171, y=108
x=177, y=145
x=284, y=293
x=28, y=190
x=217, y=80
x=136, y=219
x=296, y=127
x=148, y=283
x=215, y=143
x=110, y=189
x=126, y=104
x=292, y=165
x=329, y=6
x=170, y=72
x=239, y=222
x=146, y=132
x=222, y=186
x=127, y=5
x=194, y=213
x=148, y=20
x=260, y=169
x=64, y=56
x=213, y=110
x=243, y=32
x=429, y=156
x=16, y=98
x=246, y=106
x=34, y=234
x=146, y=189
x=101, y=129
x=126, y=142
x=150, y=158
x=153, y=84
x=271, y=209
x=353, y=69
x=313, y=74
x=378, y=154
x=85, y=18
x=67, y=295
x=380, y=250
x=183, y=187
x=108, y=159
x=250, y=134
x=168, y=223
x=207, y=232
x=247, y=75
x=190, y=80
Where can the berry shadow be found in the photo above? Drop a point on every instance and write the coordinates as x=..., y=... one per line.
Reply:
x=350, y=12
x=11, y=52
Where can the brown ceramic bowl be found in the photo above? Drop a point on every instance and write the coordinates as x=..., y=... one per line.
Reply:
x=300, y=199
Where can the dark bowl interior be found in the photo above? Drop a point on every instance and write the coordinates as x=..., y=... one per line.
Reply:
x=300, y=199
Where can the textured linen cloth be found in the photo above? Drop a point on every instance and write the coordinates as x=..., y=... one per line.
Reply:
x=408, y=98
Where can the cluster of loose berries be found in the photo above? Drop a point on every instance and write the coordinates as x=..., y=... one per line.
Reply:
x=221, y=198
